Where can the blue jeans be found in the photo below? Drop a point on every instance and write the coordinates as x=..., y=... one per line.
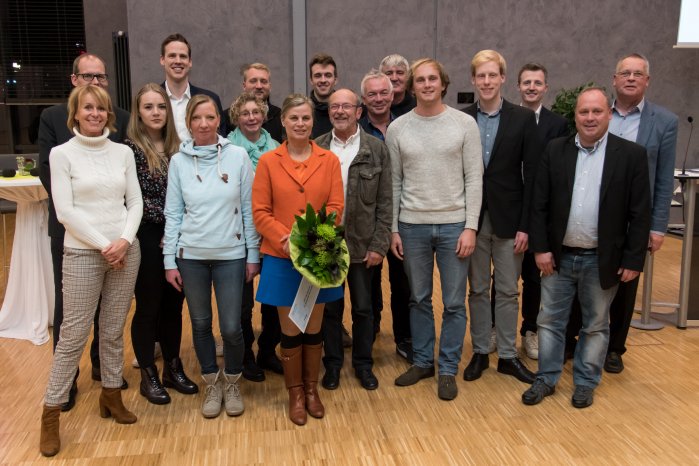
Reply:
x=421, y=243
x=576, y=272
x=227, y=277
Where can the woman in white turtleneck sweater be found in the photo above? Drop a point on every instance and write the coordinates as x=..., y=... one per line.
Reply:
x=98, y=200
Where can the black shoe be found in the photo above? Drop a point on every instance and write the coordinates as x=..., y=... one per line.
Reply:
x=151, y=388
x=537, y=392
x=270, y=362
x=174, y=377
x=97, y=377
x=68, y=405
x=252, y=371
x=613, y=363
x=517, y=369
x=582, y=397
x=474, y=370
x=346, y=338
x=446, y=387
x=413, y=375
x=331, y=379
x=404, y=349
x=367, y=379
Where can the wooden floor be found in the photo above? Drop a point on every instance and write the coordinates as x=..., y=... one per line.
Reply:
x=649, y=414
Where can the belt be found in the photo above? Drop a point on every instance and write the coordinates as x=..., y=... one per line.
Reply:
x=579, y=251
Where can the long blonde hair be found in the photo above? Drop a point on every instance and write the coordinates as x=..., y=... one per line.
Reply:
x=138, y=134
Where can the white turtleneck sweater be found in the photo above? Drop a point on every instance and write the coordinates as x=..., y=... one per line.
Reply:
x=95, y=191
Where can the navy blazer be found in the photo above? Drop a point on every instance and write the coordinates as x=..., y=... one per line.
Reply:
x=658, y=134
x=509, y=176
x=624, y=210
x=53, y=131
x=194, y=90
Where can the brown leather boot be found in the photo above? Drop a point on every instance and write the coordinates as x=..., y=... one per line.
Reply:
x=292, y=362
x=311, y=368
x=50, y=442
x=111, y=405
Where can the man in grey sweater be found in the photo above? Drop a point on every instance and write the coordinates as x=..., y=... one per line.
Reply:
x=437, y=186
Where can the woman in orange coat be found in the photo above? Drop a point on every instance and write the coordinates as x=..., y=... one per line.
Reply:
x=296, y=173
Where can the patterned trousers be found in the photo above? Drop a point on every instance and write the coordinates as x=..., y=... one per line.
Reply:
x=86, y=276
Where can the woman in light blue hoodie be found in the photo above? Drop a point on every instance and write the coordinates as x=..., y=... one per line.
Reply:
x=210, y=239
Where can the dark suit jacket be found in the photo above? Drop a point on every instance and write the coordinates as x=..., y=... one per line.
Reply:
x=53, y=131
x=551, y=126
x=194, y=90
x=624, y=211
x=509, y=176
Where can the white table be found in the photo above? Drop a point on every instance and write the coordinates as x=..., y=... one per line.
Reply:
x=27, y=310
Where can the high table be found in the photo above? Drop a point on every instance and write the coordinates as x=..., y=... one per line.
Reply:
x=27, y=310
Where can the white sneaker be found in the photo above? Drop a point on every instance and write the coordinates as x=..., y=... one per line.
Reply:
x=219, y=347
x=232, y=398
x=156, y=354
x=530, y=342
x=493, y=343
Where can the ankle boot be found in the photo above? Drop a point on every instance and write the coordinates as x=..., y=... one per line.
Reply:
x=151, y=387
x=111, y=405
x=311, y=367
x=174, y=377
x=50, y=441
x=213, y=394
x=292, y=362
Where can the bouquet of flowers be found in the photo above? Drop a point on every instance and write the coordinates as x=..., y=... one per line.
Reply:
x=318, y=249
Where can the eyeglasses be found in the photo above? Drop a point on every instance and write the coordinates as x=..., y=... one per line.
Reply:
x=345, y=107
x=635, y=74
x=90, y=76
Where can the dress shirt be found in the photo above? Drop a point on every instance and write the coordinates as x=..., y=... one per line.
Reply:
x=581, y=231
x=179, y=111
x=488, y=124
x=346, y=151
x=626, y=126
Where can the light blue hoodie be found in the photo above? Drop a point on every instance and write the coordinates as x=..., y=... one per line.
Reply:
x=206, y=217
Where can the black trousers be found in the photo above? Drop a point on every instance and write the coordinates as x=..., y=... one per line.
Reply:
x=158, y=315
x=57, y=260
x=620, y=315
x=359, y=282
x=271, y=333
x=400, y=299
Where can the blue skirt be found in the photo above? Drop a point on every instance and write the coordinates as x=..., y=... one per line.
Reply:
x=279, y=282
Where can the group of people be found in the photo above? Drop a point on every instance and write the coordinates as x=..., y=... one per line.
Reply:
x=178, y=197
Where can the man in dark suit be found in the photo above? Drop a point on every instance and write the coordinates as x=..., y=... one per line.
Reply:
x=589, y=230
x=511, y=149
x=655, y=128
x=88, y=69
x=532, y=83
x=176, y=60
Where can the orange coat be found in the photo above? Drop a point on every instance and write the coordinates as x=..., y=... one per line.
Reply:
x=278, y=194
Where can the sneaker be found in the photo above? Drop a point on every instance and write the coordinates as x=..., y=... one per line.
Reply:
x=537, y=392
x=157, y=352
x=446, y=387
x=219, y=348
x=413, y=375
x=582, y=397
x=233, y=400
x=530, y=342
x=493, y=343
x=346, y=338
x=404, y=349
x=213, y=395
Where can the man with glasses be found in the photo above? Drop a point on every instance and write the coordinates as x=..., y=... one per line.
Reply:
x=655, y=128
x=366, y=176
x=88, y=69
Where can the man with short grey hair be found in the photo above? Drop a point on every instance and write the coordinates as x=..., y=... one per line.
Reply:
x=397, y=68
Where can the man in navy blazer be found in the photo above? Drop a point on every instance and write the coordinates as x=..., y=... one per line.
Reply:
x=589, y=230
x=655, y=128
x=88, y=69
x=532, y=83
x=511, y=149
x=176, y=60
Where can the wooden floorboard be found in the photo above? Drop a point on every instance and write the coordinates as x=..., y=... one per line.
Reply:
x=649, y=414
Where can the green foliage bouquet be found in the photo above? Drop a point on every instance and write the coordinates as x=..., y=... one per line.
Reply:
x=318, y=249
